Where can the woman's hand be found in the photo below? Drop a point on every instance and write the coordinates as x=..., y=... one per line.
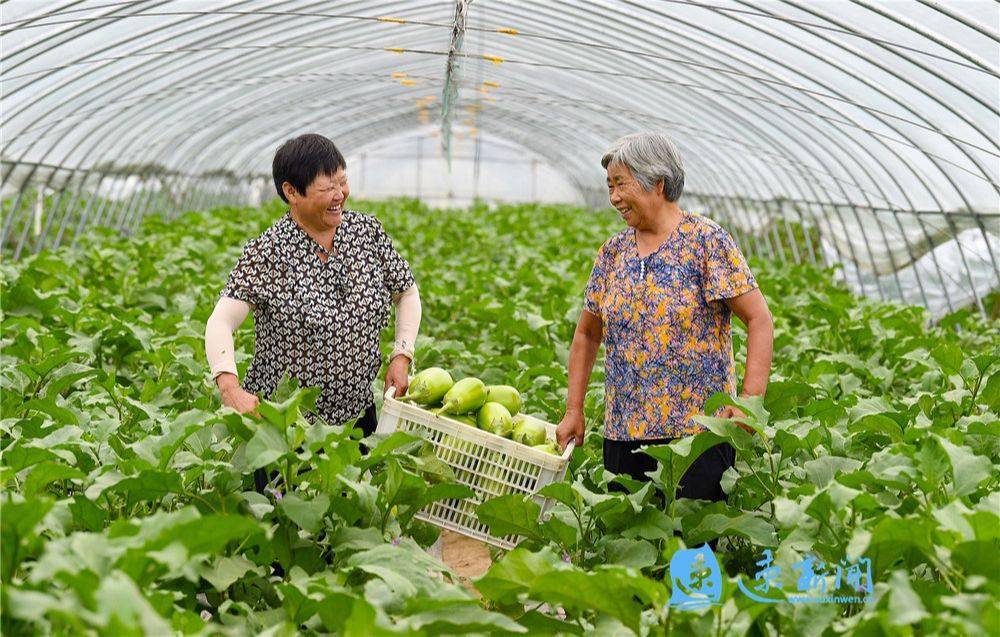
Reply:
x=570, y=428
x=234, y=396
x=731, y=412
x=396, y=376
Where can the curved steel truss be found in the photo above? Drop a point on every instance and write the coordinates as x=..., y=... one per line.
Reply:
x=870, y=129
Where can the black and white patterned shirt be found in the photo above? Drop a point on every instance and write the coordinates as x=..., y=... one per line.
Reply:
x=320, y=320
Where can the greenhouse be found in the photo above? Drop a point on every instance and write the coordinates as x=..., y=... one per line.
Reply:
x=317, y=318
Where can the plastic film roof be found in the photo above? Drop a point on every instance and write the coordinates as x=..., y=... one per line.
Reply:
x=877, y=124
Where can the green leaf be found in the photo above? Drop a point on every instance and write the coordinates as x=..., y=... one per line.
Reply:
x=266, y=446
x=511, y=515
x=990, y=393
x=307, y=514
x=17, y=522
x=905, y=606
x=578, y=591
x=563, y=492
x=746, y=525
x=211, y=533
x=968, y=469
x=225, y=571
x=825, y=468
x=636, y=554
x=949, y=357
x=45, y=473
x=20, y=457
x=895, y=538
x=118, y=597
x=282, y=414
x=650, y=524
x=675, y=458
x=752, y=406
x=514, y=574
x=540, y=624
x=442, y=491
x=977, y=558
x=462, y=619
x=60, y=415
x=878, y=424
x=785, y=396
x=147, y=486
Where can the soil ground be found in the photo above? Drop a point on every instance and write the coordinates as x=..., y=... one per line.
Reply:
x=466, y=557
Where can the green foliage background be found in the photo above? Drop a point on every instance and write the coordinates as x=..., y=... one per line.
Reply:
x=127, y=505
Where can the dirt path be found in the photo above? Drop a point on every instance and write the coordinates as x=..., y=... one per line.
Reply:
x=468, y=558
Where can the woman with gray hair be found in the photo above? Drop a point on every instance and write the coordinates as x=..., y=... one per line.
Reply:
x=660, y=297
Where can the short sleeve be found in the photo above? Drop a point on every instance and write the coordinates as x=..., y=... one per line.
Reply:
x=727, y=274
x=247, y=276
x=593, y=298
x=396, y=271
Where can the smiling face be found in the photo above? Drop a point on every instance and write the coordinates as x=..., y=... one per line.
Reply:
x=322, y=206
x=634, y=204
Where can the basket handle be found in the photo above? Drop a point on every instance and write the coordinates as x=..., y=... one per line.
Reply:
x=570, y=446
x=391, y=392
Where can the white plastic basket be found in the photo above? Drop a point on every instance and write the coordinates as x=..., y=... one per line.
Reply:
x=488, y=464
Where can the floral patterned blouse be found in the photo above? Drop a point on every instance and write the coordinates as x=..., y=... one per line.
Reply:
x=667, y=334
x=320, y=321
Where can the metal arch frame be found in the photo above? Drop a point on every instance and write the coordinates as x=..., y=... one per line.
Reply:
x=121, y=78
x=133, y=70
x=944, y=173
x=758, y=134
x=845, y=195
x=975, y=127
x=242, y=166
x=930, y=191
x=402, y=115
x=793, y=157
x=889, y=172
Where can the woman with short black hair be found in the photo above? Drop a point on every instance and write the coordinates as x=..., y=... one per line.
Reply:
x=319, y=282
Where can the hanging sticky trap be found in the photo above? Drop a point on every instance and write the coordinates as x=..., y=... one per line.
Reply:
x=407, y=83
x=507, y=30
x=496, y=59
x=386, y=18
x=492, y=84
x=395, y=49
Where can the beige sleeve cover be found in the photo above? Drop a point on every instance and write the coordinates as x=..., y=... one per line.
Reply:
x=407, y=321
x=219, y=349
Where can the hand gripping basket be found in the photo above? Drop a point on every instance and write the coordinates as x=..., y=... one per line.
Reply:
x=488, y=464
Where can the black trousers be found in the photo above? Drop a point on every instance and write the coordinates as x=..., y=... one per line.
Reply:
x=367, y=423
x=701, y=481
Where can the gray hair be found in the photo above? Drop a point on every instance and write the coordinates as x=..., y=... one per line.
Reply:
x=650, y=157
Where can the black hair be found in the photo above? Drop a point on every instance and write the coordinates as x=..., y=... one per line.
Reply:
x=301, y=159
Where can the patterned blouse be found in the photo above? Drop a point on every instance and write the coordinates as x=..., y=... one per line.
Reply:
x=320, y=320
x=667, y=334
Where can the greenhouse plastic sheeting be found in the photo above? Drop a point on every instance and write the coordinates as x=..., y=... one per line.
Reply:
x=874, y=124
